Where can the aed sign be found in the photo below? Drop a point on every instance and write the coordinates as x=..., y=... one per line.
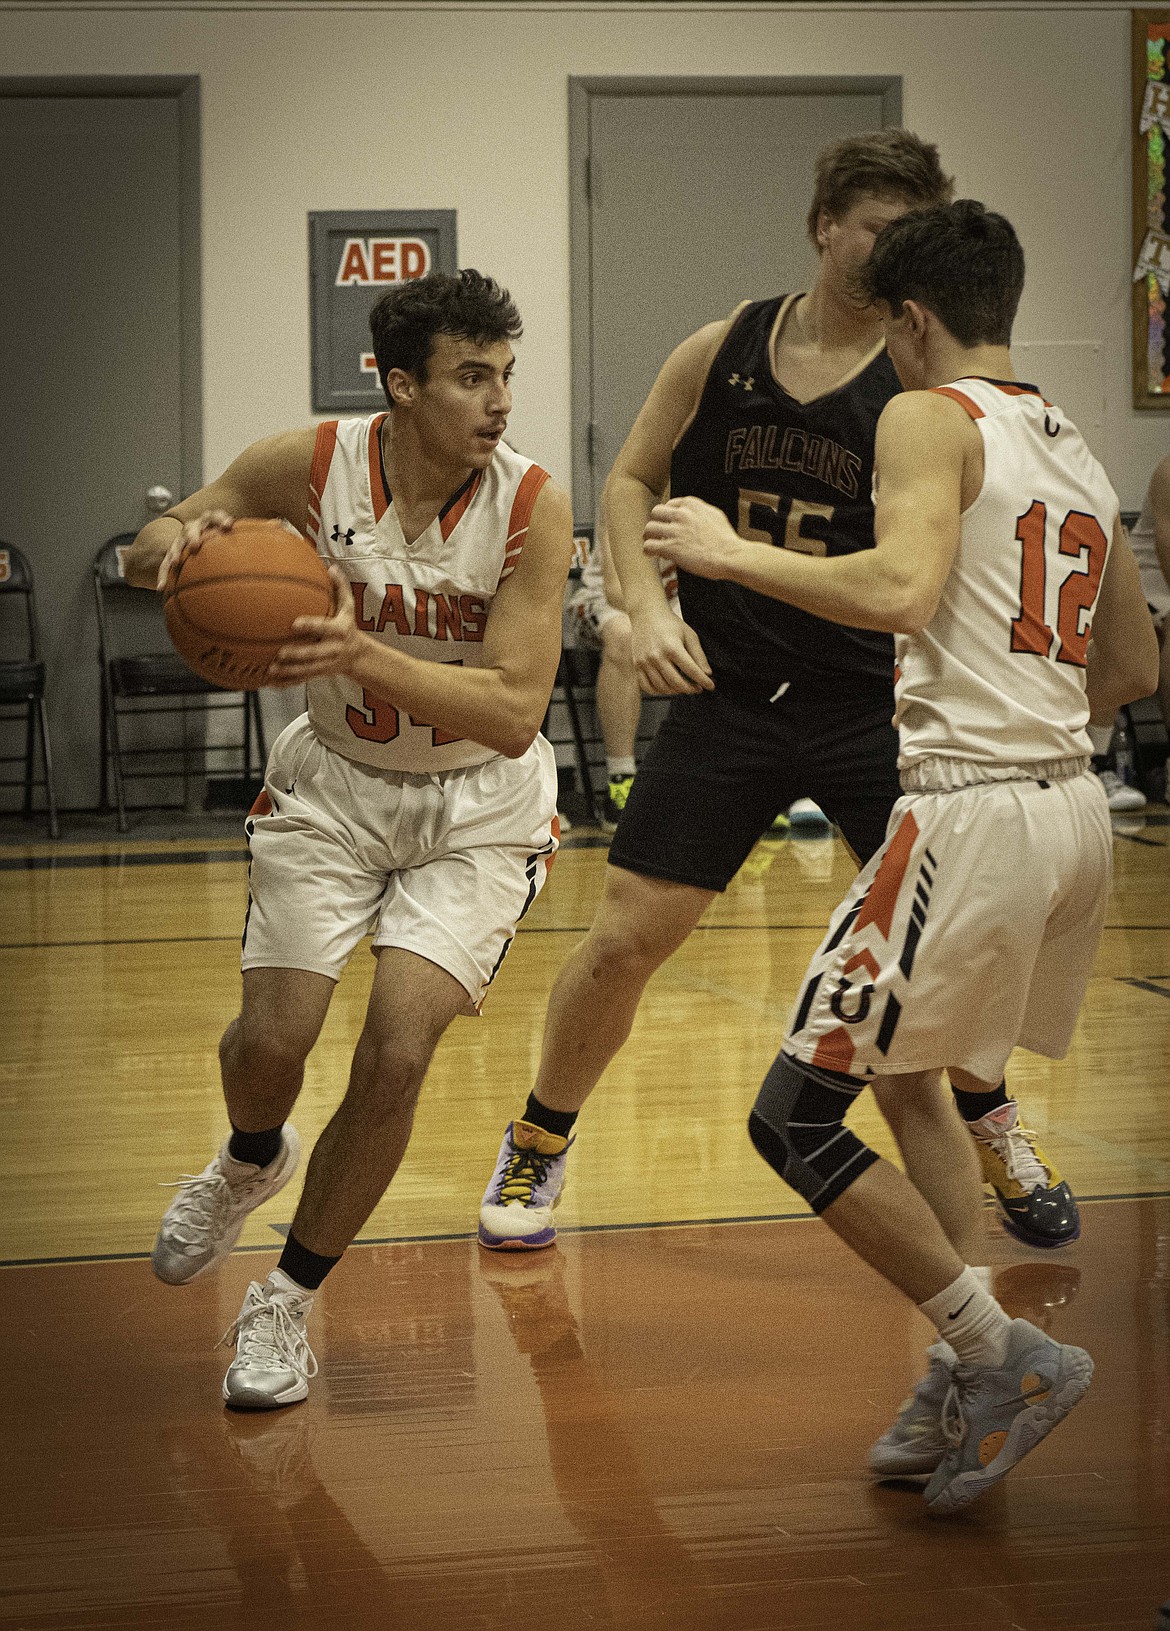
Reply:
x=382, y=260
x=355, y=257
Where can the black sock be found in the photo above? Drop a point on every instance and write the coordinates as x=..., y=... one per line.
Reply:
x=307, y=1268
x=261, y=1149
x=559, y=1122
x=973, y=1105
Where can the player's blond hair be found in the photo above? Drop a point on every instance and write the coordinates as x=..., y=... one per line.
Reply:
x=888, y=164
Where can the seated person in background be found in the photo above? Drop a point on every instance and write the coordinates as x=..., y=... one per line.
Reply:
x=1150, y=541
x=601, y=625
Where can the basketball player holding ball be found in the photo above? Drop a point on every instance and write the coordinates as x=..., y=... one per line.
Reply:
x=415, y=800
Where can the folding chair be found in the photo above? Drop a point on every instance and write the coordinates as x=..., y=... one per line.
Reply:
x=137, y=684
x=22, y=686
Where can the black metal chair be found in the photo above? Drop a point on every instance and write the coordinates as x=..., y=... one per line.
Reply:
x=22, y=685
x=155, y=681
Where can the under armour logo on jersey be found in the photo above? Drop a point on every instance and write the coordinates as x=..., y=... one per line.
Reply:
x=747, y=384
x=347, y=536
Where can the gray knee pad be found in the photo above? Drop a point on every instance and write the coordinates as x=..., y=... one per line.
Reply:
x=797, y=1124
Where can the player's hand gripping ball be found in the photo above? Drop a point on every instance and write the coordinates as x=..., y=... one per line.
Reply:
x=230, y=604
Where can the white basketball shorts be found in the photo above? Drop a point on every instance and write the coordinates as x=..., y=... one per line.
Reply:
x=973, y=929
x=442, y=865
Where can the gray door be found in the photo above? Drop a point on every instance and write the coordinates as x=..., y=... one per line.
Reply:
x=689, y=198
x=96, y=283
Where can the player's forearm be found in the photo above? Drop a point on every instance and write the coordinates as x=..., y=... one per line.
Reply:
x=863, y=590
x=145, y=555
x=1123, y=674
x=485, y=705
x=628, y=503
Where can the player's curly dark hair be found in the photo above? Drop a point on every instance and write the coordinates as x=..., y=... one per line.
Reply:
x=405, y=321
x=894, y=164
x=961, y=261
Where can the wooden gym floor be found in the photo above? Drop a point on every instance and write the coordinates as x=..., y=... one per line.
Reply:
x=662, y=1422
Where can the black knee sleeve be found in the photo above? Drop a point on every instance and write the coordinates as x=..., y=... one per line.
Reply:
x=797, y=1125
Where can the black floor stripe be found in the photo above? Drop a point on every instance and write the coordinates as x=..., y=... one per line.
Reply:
x=54, y=863
x=563, y=1229
x=563, y=928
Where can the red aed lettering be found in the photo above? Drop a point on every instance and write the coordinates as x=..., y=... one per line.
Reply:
x=353, y=268
x=475, y=616
x=422, y=608
x=393, y=610
x=414, y=258
x=384, y=260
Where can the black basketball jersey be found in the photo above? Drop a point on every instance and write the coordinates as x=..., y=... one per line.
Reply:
x=797, y=475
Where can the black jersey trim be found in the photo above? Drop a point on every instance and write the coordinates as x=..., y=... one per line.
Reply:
x=457, y=495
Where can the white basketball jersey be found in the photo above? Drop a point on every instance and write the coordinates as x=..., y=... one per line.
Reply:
x=997, y=677
x=430, y=598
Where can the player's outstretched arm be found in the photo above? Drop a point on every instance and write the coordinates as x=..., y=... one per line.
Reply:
x=269, y=480
x=924, y=447
x=502, y=704
x=668, y=656
x=1123, y=651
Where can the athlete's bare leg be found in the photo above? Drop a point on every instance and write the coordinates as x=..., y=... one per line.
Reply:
x=886, y=1221
x=619, y=697
x=640, y=921
x=262, y=1053
x=884, y=1216
x=411, y=1004
x=939, y=1156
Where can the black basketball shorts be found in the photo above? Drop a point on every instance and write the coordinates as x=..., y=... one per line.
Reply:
x=721, y=769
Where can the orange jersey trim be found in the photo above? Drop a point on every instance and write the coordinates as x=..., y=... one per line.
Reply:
x=452, y=518
x=377, y=491
x=323, y=449
x=965, y=402
x=527, y=493
x=878, y=907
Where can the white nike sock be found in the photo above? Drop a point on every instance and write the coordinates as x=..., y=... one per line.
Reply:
x=968, y=1317
x=618, y=769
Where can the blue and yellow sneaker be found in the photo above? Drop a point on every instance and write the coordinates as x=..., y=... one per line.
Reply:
x=1036, y=1205
x=516, y=1211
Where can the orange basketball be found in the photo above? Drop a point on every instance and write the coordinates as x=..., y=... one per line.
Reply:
x=231, y=606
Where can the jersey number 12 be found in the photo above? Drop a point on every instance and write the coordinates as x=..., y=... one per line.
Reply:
x=1080, y=535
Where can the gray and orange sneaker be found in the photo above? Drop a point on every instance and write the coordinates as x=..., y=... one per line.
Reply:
x=993, y=1417
x=1035, y=1203
x=516, y=1211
